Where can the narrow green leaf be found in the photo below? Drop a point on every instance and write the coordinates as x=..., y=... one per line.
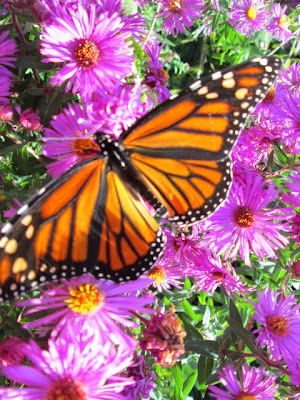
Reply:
x=208, y=348
x=189, y=384
x=234, y=313
x=178, y=380
x=192, y=332
x=205, y=368
x=244, y=334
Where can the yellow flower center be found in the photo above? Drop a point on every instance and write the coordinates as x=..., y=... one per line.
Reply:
x=245, y=396
x=219, y=276
x=66, y=390
x=85, y=299
x=278, y=325
x=283, y=22
x=251, y=13
x=158, y=274
x=87, y=53
x=82, y=146
x=176, y=5
x=270, y=96
x=243, y=217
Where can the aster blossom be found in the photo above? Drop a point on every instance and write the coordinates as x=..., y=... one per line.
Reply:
x=166, y=275
x=78, y=369
x=117, y=112
x=290, y=78
x=243, y=224
x=248, y=16
x=179, y=14
x=70, y=140
x=93, y=48
x=280, y=324
x=279, y=25
x=155, y=76
x=210, y=273
x=88, y=305
x=8, y=47
x=253, y=385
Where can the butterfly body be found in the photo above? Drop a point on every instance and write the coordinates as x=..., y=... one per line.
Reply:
x=177, y=158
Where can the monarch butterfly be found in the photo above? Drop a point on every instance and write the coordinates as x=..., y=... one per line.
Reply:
x=91, y=219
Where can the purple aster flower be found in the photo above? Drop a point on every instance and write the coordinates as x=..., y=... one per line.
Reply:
x=78, y=369
x=89, y=306
x=179, y=14
x=70, y=141
x=117, y=112
x=4, y=89
x=255, y=144
x=182, y=246
x=272, y=105
x=94, y=48
x=294, y=188
x=279, y=25
x=156, y=77
x=290, y=78
x=211, y=273
x=252, y=385
x=244, y=224
x=165, y=275
x=290, y=123
x=248, y=16
x=296, y=227
x=11, y=352
x=7, y=48
x=294, y=368
x=143, y=376
x=13, y=208
x=280, y=324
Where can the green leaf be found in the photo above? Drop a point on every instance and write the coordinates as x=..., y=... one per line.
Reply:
x=234, y=313
x=189, y=384
x=244, y=334
x=192, y=332
x=188, y=309
x=208, y=348
x=178, y=380
x=205, y=368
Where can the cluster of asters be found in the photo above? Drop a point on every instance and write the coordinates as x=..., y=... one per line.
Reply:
x=93, y=324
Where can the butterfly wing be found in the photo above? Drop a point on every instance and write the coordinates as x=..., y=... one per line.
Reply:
x=181, y=149
x=87, y=220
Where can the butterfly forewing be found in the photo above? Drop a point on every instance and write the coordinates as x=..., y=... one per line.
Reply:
x=182, y=148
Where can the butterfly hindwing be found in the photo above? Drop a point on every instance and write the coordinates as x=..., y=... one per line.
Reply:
x=182, y=148
x=87, y=220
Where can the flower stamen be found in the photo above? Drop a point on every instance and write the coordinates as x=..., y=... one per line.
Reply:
x=85, y=299
x=87, y=53
x=243, y=217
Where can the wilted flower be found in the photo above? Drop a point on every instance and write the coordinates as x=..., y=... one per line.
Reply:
x=163, y=337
